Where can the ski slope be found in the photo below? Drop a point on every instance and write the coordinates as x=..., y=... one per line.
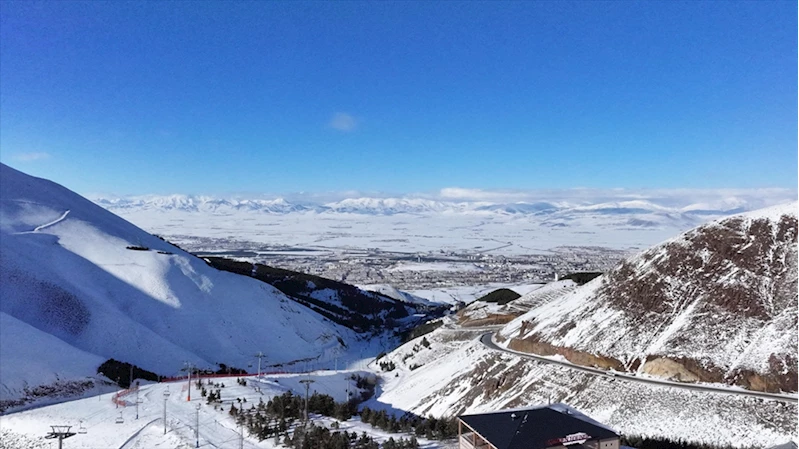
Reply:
x=75, y=290
x=99, y=416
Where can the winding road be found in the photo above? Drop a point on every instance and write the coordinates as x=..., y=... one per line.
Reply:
x=487, y=340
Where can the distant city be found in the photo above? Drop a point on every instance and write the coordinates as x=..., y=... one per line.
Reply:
x=430, y=269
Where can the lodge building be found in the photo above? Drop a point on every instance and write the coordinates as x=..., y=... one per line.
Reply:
x=554, y=426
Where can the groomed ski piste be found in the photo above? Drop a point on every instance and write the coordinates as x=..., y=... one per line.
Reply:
x=109, y=425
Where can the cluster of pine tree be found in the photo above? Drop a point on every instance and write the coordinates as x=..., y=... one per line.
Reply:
x=430, y=428
x=387, y=365
x=292, y=405
x=259, y=422
x=275, y=417
x=640, y=442
x=214, y=396
x=315, y=437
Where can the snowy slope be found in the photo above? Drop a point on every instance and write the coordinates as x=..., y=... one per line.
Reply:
x=69, y=284
x=44, y=360
x=718, y=303
x=456, y=374
x=399, y=295
x=480, y=313
x=98, y=415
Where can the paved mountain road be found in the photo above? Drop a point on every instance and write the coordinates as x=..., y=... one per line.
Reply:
x=487, y=340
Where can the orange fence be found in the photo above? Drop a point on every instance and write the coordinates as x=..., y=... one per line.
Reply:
x=117, y=398
x=214, y=376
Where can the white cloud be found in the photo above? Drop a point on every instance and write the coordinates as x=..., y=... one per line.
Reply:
x=457, y=193
x=343, y=122
x=751, y=198
x=30, y=157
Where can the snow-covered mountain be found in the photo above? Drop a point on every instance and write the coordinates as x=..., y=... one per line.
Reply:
x=391, y=206
x=79, y=285
x=718, y=303
x=188, y=203
x=417, y=206
x=453, y=373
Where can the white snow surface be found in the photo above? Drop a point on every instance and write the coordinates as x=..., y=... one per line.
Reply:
x=616, y=219
x=69, y=288
x=395, y=293
x=98, y=415
x=457, y=375
x=52, y=359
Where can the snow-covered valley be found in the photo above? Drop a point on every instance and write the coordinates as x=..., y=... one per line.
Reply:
x=80, y=285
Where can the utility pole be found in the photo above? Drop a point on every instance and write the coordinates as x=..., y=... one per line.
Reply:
x=197, y=426
x=260, y=355
x=137, y=400
x=307, y=383
x=60, y=432
x=166, y=396
x=188, y=398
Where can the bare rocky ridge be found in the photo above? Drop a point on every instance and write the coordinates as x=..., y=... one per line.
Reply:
x=716, y=304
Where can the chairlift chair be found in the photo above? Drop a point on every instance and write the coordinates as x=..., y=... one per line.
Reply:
x=82, y=428
x=119, y=419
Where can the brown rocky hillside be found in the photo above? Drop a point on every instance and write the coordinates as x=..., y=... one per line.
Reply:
x=717, y=304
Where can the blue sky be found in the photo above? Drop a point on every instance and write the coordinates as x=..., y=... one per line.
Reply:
x=215, y=97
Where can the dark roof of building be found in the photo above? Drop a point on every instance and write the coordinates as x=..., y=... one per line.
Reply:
x=788, y=445
x=532, y=428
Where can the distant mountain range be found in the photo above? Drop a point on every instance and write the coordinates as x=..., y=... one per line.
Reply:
x=507, y=224
x=395, y=206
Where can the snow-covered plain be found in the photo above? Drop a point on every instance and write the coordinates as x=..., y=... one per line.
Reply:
x=528, y=224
